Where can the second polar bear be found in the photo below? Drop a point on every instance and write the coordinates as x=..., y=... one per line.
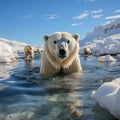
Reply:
x=60, y=54
x=87, y=51
x=28, y=52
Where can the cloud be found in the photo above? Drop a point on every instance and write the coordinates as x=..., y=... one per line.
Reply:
x=97, y=16
x=94, y=14
x=112, y=17
x=84, y=15
x=52, y=16
x=96, y=11
x=76, y=24
x=28, y=16
x=116, y=11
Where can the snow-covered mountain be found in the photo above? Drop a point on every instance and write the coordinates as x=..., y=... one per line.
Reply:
x=104, y=39
x=9, y=50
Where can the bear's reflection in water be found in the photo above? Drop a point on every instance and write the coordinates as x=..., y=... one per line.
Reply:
x=28, y=65
x=61, y=102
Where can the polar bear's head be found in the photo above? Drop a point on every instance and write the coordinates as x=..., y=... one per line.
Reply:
x=61, y=44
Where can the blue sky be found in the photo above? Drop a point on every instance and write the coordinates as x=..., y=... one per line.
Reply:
x=28, y=20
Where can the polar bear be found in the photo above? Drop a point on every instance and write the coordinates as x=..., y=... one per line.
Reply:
x=60, y=54
x=87, y=51
x=39, y=50
x=28, y=52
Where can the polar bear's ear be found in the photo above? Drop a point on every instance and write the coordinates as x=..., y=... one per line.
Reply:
x=46, y=37
x=76, y=36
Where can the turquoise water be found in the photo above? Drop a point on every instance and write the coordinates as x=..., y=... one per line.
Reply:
x=24, y=95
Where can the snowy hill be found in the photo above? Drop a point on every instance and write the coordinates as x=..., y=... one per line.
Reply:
x=17, y=46
x=9, y=50
x=104, y=39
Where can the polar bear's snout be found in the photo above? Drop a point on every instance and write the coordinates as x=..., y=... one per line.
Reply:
x=62, y=53
x=62, y=49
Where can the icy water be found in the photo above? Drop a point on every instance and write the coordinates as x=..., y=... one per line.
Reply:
x=24, y=95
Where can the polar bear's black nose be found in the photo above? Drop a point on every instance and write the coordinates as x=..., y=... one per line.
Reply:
x=62, y=52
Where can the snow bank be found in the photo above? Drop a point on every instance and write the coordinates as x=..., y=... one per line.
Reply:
x=108, y=45
x=9, y=50
x=107, y=58
x=104, y=39
x=108, y=96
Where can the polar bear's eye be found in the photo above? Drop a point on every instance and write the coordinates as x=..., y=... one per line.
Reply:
x=68, y=41
x=54, y=41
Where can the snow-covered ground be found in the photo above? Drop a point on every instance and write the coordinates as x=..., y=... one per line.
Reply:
x=104, y=39
x=9, y=50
